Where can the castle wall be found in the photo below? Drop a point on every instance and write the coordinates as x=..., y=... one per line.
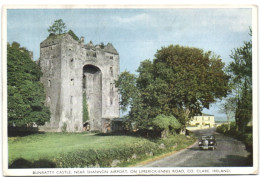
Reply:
x=68, y=58
x=50, y=63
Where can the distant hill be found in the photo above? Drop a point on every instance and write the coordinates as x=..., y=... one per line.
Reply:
x=222, y=119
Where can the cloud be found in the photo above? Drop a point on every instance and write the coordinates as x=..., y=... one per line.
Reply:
x=234, y=20
x=133, y=19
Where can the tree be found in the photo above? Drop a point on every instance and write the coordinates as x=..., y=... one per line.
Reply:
x=25, y=93
x=179, y=82
x=58, y=27
x=240, y=70
x=229, y=108
x=126, y=85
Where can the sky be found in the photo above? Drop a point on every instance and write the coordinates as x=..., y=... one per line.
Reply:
x=138, y=33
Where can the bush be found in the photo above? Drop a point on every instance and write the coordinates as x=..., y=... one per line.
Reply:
x=102, y=153
x=104, y=158
x=246, y=138
x=74, y=36
x=165, y=123
x=88, y=158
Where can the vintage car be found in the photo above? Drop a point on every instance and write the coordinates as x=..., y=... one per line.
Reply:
x=207, y=142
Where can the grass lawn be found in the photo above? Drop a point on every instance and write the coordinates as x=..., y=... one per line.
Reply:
x=72, y=149
x=39, y=146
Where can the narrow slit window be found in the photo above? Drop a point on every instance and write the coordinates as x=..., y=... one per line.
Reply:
x=49, y=83
x=71, y=81
x=111, y=87
x=111, y=71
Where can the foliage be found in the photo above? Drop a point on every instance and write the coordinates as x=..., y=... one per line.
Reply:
x=166, y=123
x=85, y=150
x=229, y=108
x=245, y=136
x=102, y=45
x=74, y=36
x=64, y=128
x=180, y=81
x=126, y=87
x=25, y=92
x=240, y=70
x=85, y=107
x=58, y=27
x=241, y=66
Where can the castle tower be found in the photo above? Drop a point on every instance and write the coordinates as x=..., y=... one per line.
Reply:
x=74, y=71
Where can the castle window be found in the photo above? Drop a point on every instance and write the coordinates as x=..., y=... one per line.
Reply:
x=111, y=93
x=111, y=101
x=71, y=112
x=111, y=71
x=111, y=57
x=71, y=60
x=71, y=100
x=111, y=87
x=49, y=83
x=95, y=55
x=71, y=81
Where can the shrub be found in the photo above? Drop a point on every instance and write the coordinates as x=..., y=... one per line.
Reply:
x=74, y=36
x=246, y=138
x=104, y=158
x=64, y=127
x=166, y=123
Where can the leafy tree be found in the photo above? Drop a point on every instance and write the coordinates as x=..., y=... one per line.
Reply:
x=74, y=36
x=180, y=81
x=25, y=93
x=58, y=27
x=126, y=85
x=229, y=108
x=244, y=108
x=240, y=70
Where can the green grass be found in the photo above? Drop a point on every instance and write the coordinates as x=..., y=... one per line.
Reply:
x=48, y=145
x=82, y=149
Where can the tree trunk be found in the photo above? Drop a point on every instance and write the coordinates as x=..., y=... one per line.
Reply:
x=186, y=117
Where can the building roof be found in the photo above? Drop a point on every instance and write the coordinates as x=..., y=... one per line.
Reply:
x=203, y=114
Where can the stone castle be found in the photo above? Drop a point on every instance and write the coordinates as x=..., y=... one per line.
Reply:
x=71, y=68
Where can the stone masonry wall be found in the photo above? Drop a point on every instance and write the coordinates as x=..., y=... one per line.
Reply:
x=65, y=64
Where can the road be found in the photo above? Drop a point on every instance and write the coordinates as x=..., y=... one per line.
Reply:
x=229, y=153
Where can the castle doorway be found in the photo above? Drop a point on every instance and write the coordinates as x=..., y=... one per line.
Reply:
x=92, y=93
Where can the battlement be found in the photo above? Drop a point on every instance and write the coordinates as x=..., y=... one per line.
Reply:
x=56, y=39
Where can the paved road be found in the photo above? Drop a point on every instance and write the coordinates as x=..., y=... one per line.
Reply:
x=229, y=152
